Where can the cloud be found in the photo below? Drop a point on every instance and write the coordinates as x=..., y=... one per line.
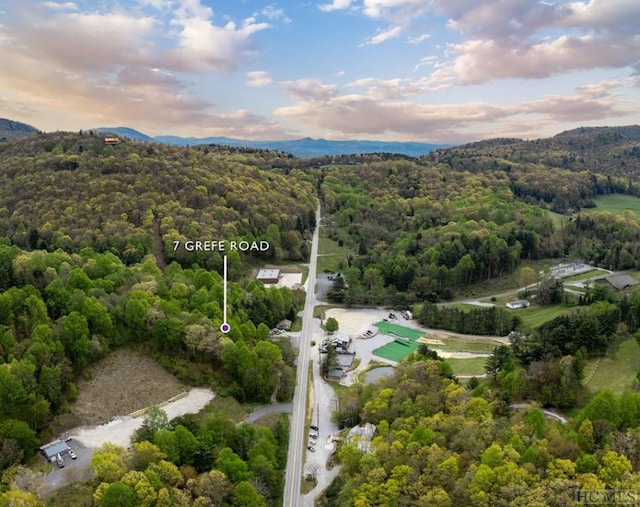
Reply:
x=516, y=38
x=336, y=5
x=482, y=60
x=259, y=78
x=309, y=89
x=205, y=46
x=384, y=35
x=81, y=43
x=272, y=12
x=123, y=66
x=182, y=37
x=418, y=38
x=70, y=6
x=384, y=110
x=596, y=101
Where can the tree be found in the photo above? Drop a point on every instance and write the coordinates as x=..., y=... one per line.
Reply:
x=213, y=485
x=245, y=495
x=526, y=278
x=232, y=466
x=331, y=325
x=108, y=463
x=155, y=419
x=119, y=495
x=75, y=338
x=550, y=291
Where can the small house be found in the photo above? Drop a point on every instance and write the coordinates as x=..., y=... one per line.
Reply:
x=51, y=451
x=111, y=140
x=518, y=303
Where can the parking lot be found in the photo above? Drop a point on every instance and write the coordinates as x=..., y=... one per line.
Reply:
x=78, y=469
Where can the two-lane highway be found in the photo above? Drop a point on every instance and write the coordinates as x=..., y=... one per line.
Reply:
x=297, y=436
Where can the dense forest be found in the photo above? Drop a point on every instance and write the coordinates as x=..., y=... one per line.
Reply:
x=60, y=312
x=419, y=229
x=87, y=264
x=67, y=191
x=439, y=444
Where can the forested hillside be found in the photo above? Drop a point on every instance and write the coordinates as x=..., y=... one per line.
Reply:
x=438, y=444
x=10, y=130
x=418, y=229
x=87, y=265
x=68, y=190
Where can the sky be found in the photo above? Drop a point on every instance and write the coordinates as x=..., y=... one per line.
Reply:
x=445, y=71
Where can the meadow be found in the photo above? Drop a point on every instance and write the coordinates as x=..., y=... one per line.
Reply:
x=617, y=204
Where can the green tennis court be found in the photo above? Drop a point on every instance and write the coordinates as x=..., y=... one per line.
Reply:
x=404, y=345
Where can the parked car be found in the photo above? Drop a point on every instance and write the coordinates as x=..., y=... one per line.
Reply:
x=314, y=427
x=313, y=435
x=311, y=448
x=60, y=461
x=72, y=454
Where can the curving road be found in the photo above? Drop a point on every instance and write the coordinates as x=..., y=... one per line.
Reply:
x=297, y=436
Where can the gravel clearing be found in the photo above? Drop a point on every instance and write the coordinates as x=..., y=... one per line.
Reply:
x=121, y=383
x=119, y=430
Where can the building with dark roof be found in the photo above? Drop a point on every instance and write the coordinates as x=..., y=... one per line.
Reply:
x=52, y=449
x=619, y=282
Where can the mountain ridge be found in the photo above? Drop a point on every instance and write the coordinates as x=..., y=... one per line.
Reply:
x=11, y=129
x=305, y=147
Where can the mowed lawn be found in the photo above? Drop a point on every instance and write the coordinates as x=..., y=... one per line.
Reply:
x=617, y=204
x=330, y=254
x=617, y=373
x=535, y=316
x=472, y=366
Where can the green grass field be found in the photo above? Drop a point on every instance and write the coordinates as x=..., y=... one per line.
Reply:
x=557, y=218
x=617, y=204
x=532, y=316
x=473, y=366
x=615, y=373
x=331, y=256
x=535, y=316
x=478, y=346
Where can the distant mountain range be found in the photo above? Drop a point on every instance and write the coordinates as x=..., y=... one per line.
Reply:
x=10, y=129
x=305, y=147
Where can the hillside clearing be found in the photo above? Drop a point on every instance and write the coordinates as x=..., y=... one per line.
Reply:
x=121, y=383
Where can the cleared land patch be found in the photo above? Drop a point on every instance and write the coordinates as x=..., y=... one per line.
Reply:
x=535, y=315
x=121, y=383
x=615, y=373
x=617, y=204
x=330, y=254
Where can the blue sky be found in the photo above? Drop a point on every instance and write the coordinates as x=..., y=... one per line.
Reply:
x=414, y=70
